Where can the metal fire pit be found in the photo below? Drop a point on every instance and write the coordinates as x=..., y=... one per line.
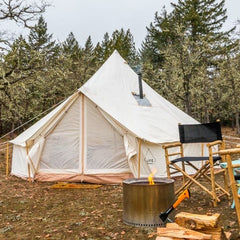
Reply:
x=143, y=203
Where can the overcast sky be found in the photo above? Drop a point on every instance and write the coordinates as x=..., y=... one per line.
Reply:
x=96, y=17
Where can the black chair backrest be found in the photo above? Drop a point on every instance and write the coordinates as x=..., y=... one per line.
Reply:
x=196, y=133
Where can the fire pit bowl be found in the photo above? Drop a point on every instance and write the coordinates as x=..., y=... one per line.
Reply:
x=143, y=203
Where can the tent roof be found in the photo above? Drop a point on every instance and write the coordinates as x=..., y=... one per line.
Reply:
x=112, y=88
x=40, y=125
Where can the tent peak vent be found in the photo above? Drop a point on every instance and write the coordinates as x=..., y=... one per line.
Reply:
x=142, y=101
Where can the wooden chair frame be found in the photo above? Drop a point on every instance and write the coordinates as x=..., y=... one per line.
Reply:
x=208, y=165
x=232, y=182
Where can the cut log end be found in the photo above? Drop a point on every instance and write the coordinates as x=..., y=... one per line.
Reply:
x=197, y=221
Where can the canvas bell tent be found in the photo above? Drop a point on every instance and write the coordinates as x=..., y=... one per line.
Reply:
x=103, y=133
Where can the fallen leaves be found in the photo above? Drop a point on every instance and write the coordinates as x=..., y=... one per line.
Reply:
x=5, y=229
x=36, y=212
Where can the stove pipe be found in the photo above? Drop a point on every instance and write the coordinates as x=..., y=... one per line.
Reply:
x=140, y=85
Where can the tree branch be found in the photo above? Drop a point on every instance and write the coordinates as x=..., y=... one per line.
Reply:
x=21, y=12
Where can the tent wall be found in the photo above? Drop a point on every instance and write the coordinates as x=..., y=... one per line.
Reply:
x=79, y=145
x=62, y=144
x=19, y=162
x=102, y=156
x=105, y=151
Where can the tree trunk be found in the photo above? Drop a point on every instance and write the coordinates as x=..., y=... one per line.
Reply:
x=233, y=125
x=12, y=130
x=187, y=104
x=1, y=127
x=237, y=122
x=206, y=113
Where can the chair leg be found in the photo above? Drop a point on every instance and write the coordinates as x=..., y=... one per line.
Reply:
x=199, y=172
x=189, y=182
x=226, y=182
x=225, y=192
x=183, y=168
x=167, y=163
x=195, y=181
x=233, y=187
x=213, y=182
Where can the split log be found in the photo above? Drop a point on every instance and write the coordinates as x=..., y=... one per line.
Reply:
x=164, y=238
x=173, y=225
x=228, y=235
x=217, y=233
x=196, y=221
x=177, y=232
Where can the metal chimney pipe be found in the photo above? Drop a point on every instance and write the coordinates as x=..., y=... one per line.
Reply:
x=140, y=85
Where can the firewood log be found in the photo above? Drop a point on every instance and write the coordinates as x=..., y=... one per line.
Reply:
x=197, y=221
x=177, y=233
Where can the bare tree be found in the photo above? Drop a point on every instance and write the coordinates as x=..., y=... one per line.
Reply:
x=21, y=11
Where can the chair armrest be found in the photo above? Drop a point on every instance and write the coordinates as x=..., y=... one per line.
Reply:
x=171, y=145
x=217, y=142
x=229, y=151
x=236, y=166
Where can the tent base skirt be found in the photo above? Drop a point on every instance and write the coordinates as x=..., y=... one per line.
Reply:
x=93, y=178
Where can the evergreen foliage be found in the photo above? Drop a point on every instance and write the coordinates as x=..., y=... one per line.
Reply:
x=184, y=48
x=186, y=57
x=121, y=41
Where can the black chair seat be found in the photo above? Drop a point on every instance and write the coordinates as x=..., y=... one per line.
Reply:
x=192, y=159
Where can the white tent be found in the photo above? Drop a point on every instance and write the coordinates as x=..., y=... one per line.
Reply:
x=102, y=133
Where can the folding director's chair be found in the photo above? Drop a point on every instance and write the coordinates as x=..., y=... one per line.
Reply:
x=235, y=166
x=233, y=178
x=177, y=162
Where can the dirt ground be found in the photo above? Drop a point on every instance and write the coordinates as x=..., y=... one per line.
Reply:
x=35, y=211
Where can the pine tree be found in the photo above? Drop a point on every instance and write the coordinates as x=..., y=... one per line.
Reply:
x=202, y=17
x=103, y=49
x=41, y=41
x=88, y=60
x=159, y=35
x=71, y=47
x=49, y=79
x=122, y=41
x=19, y=65
x=72, y=54
x=186, y=45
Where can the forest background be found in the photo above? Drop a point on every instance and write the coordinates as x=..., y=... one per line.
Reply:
x=186, y=57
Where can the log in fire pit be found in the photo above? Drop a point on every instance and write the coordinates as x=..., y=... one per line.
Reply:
x=143, y=202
